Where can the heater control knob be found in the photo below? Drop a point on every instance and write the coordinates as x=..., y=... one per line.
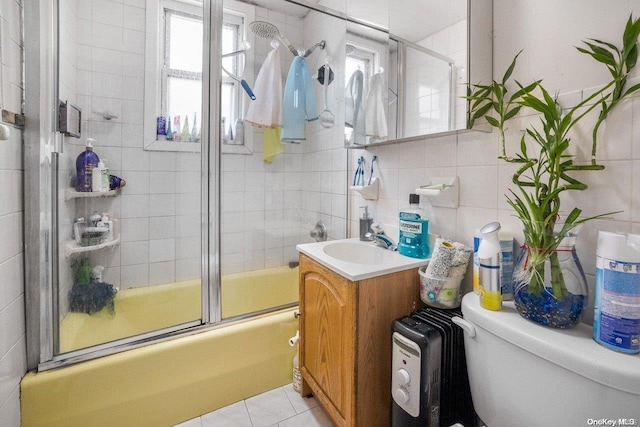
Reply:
x=400, y=395
x=403, y=377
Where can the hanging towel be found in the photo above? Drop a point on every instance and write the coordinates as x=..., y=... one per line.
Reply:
x=354, y=110
x=271, y=145
x=266, y=110
x=299, y=105
x=375, y=117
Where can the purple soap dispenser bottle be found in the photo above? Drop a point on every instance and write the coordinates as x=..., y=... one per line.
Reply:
x=85, y=163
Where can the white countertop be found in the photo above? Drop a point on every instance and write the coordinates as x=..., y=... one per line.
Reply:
x=367, y=260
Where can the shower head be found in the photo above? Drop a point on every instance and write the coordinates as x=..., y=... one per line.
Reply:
x=264, y=29
x=269, y=31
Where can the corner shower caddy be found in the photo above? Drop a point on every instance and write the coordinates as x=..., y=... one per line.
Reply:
x=71, y=247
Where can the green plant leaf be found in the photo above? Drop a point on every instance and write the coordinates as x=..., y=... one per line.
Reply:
x=631, y=32
x=599, y=57
x=609, y=45
x=632, y=57
x=509, y=71
x=475, y=105
x=607, y=56
x=482, y=111
x=524, y=90
x=512, y=112
x=535, y=103
x=492, y=121
x=631, y=89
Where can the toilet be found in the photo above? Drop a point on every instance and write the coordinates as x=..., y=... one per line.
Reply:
x=524, y=374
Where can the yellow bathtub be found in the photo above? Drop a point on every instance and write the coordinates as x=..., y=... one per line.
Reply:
x=149, y=308
x=169, y=382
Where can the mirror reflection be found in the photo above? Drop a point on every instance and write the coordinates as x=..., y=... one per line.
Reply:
x=366, y=88
x=432, y=43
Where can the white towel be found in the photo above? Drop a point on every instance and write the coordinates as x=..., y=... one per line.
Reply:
x=354, y=117
x=375, y=117
x=266, y=110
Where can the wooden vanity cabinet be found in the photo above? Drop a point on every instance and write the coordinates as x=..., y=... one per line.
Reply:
x=345, y=340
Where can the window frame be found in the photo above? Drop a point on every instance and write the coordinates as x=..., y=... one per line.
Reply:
x=155, y=77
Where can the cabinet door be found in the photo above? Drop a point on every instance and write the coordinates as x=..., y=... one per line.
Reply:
x=327, y=356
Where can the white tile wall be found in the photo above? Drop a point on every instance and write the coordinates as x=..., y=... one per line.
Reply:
x=547, y=40
x=268, y=208
x=12, y=340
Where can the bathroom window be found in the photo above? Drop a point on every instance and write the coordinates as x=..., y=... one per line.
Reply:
x=230, y=102
x=174, y=70
x=182, y=74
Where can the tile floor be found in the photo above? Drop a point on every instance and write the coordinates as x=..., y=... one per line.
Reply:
x=280, y=407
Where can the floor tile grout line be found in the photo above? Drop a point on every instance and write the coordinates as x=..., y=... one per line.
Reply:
x=246, y=408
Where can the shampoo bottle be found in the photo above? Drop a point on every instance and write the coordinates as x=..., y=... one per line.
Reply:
x=414, y=230
x=489, y=267
x=86, y=161
x=96, y=177
x=104, y=177
x=107, y=224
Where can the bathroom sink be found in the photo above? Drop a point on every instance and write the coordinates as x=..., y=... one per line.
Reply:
x=357, y=252
x=357, y=260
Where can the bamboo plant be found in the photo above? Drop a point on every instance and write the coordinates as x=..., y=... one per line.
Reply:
x=544, y=175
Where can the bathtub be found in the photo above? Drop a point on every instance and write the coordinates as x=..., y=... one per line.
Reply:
x=165, y=383
x=149, y=308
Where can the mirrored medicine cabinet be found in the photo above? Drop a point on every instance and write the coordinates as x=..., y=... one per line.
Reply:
x=433, y=50
x=408, y=64
x=406, y=67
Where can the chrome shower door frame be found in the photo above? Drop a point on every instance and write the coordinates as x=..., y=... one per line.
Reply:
x=40, y=185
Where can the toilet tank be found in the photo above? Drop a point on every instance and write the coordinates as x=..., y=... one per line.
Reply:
x=525, y=374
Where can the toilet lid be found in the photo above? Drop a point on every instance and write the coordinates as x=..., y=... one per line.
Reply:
x=573, y=349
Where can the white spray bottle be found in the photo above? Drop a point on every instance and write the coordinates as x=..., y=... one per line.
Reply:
x=489, y=260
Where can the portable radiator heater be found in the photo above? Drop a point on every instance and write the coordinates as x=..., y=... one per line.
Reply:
x=430, y=385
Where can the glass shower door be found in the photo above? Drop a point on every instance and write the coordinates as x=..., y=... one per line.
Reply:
x=129, y=248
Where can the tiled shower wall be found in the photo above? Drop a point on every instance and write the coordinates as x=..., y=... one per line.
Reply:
x=260, y=200
x=549, y=53
x=13, y=362
x=159, y=209
x=268, y=208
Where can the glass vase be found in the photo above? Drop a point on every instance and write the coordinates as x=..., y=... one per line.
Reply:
x=550, y=287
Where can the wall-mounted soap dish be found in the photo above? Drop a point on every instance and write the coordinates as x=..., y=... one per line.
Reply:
x=442, y=191
x=368, y=192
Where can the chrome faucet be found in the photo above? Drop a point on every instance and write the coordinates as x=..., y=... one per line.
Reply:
x=380, y=238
